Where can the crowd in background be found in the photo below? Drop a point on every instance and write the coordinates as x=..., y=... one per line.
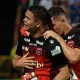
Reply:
x=72, y=7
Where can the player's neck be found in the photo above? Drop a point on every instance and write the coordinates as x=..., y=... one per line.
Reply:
x=39, y=33
x=68, y=27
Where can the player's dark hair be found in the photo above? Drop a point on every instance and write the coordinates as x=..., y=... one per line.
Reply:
x=56, y=11
x=40, y=13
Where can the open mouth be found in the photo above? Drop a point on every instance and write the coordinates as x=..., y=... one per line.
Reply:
x=25, y=25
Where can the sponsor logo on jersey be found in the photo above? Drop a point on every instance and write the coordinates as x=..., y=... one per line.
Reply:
x=56, y=51
x=51, y=41
x=25, y=48
x=70, y=37
x=32, y=44
x=38, y=51
x=38, y=42
x=39, y=65
x=27, y=40
x=70, y=43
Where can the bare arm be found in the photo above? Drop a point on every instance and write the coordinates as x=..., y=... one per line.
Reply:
x=73, y=54
x=63, y=74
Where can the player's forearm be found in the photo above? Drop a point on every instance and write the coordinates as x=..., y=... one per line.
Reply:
x=69, y=52
x=63, y=74
x=15, y=62
x=16, y=67
x=60, y=76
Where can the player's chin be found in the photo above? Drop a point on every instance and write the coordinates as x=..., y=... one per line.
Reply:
x=26, y=28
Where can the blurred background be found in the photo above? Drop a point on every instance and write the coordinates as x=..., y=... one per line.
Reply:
x=11, y=20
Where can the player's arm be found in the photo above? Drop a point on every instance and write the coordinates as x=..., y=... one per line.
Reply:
x=58, y=59
x=15, y=61
x=63, y=74
x=61, y=65
x=72, y=54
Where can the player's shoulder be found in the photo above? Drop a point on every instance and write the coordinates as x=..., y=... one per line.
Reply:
x=77, y=28
x=52, y=40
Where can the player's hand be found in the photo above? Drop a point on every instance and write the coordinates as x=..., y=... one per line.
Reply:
x=51, y=33
x=27, y=62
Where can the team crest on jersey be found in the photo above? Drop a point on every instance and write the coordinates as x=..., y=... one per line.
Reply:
x=39, y=51
x=70, y=43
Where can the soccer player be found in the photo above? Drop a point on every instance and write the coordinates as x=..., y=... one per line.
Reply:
x=47, y=54
x=70, y=35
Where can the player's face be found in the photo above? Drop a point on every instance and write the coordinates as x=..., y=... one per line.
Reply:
x=57, y=25
x=29, y=22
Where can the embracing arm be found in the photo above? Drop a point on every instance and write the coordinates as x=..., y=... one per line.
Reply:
x=59, y=61
x=72, y=54
x=63, y=74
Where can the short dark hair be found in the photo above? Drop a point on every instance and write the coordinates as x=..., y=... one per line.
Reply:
x=56, y=11
x=40, y=13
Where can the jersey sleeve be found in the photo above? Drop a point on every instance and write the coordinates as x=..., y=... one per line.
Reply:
x=56, y=55
x=77, y=37
x=19, y=47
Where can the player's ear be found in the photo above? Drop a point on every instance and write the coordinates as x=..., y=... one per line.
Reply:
x=39, y=23
x=63, y=20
